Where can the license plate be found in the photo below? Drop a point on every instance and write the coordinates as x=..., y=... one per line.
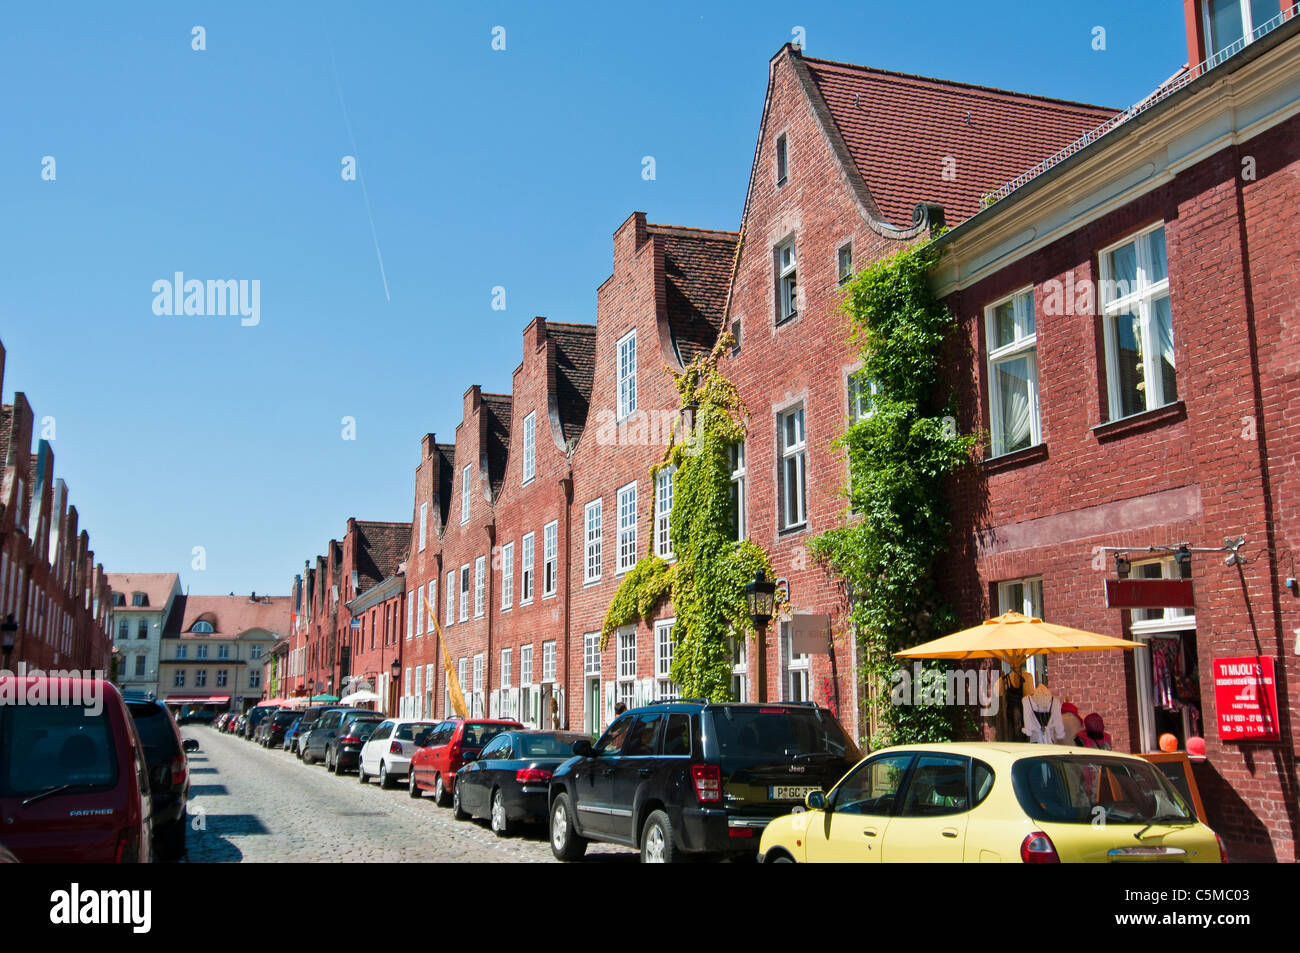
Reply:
x=788, y=792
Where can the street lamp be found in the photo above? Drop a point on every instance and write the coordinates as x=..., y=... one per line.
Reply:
x=761, y=597
x=8, y=637
x=392, y=692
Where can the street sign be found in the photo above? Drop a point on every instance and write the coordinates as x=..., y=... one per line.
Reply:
x=1149, y=594
x=355, y=624
x=1245, y=698
x=811, y=635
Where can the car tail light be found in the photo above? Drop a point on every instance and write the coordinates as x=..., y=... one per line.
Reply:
x=1037, y=848
x=395, y=748
x=349, y=740
x=741, y=832
x=128, y=847
x=1223, y=849
x=525, y=775
x=453, y=752
x=178, y=769
x=708, y=783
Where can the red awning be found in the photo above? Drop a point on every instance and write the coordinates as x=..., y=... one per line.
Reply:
x=197, y=700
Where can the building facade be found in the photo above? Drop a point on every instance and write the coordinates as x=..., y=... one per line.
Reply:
x=141, y=603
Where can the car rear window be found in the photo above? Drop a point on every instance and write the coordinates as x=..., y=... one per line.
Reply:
x=546, y=746
x=46, y=746
x=285, y=717
x=1096, y=789
x=765, y=731
x=155, y=727
x=476, y=735
x=408, y=732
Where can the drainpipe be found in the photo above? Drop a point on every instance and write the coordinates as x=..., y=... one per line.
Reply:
x=566, y=483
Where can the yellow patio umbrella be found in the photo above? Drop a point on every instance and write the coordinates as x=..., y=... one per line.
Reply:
x=1013, y=638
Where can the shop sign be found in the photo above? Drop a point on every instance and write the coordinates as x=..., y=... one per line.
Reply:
x=1245, y=698
x=811, y=634
x=1149, y=594
x=355, y=625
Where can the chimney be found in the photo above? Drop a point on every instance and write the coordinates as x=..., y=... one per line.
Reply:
x=253, y=596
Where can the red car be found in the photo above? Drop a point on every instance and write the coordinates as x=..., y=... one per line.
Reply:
x=74, y=783
x=434, y=767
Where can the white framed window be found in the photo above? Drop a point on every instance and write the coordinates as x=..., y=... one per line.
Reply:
x=664, y=511
x=627, y=665
x=739, y=648
x=465, y=476
x=862, y=392
x=424, y=525
x=478, y=674
x=433, y=604
x=548, y=661
x=787, y=282
x=406, y=689
x=462, y=671
x=223, y=651
x=782, y=160
x=530, y=446
x=254, y=679
x=464, y=593
x=626, y=527
x=526, y=570
x=419, y=610
x=223, y=676
x=1137, y=324
x=550, y=557
x=1011, y=333
x=418, y=692
x=664, y=646
x=737, y=454
x=201, y=678
x=1232, y=24
x=525, y=665
x=627, y=375
x=795, y=669
x=480, y=585
x=591, y=654
x=201, y=651
x=794, y=468
x=1026, y=597
x=508, y=575
x=179, y=681
x=591, y=522
x=844, y=263
x=507, y=657
x=451, y=596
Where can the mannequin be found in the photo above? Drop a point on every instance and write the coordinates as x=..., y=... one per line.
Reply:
x=1043, y=722
x=1071, y=719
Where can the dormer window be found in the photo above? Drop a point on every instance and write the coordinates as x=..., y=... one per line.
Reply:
x=202, y=627
x=139, y=599
x=1232, y=24
x=119, y=599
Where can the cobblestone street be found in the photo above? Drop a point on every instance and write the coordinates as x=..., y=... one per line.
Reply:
x=264, y=805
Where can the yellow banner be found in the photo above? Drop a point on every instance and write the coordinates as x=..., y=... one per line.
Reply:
x=453, y=683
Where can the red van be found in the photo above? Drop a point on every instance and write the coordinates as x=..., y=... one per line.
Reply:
x=74, y=785
x=434, y=767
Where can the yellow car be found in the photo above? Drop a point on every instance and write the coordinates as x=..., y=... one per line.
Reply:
x=990, y=802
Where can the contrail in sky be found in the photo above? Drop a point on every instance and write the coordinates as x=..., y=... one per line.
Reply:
x=361, y=175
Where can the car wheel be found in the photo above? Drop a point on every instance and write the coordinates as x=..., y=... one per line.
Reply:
x=385, y=779
x=457, y=811
x=657, y=840
x=308, y=757
x=361, y=771
x=566, y=844
x=439, y=792
x=500, y=823
x=412, y=788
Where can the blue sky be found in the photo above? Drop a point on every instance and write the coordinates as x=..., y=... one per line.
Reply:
x=482, y=168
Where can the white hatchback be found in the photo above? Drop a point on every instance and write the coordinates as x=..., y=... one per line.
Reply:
x=387, y=755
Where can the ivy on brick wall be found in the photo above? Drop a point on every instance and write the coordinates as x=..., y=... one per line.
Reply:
x=707, y=579
x=900, y=455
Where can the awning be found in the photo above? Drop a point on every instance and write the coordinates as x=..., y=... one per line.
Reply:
x=272, y=701
x=196, y=700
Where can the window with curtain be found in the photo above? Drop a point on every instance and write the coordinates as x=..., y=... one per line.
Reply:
x=1013, y=373
x=1138, y=325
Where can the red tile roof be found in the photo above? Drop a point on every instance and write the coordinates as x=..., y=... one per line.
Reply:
x=697, y=271
x=156, y=586
x=229, y=615
x=899, y=129
x=382, y=547
x=575, y=369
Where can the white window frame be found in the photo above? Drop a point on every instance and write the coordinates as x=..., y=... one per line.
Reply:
x=507, y=658
x=1248, y=30
x=626, y=367
x=861, y=391
x=466, y=477
x=793, y=501
x=786, y=262
x=795, y=669
x=665, y=646
x=530, y=447
x=1144, y=299
x=418, y=593
x=451, y=597
x=424, y=525
x=507, y=576
x=842, y=274
x=737, y=458
x=591, y=520
x=664, y=512
x=1028, y=602
x=432, y=609
x=626, y=528
x=527, y=568
x=549, y=662
x=626, y=664
x=1024, y=344
x=464, y=593
x=591, y=654
x=480, y=585
x=739, y=649
x=550, y=559
x=526, y=665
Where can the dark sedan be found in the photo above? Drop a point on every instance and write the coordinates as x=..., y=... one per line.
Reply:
x=509, y=780
x=342, y=751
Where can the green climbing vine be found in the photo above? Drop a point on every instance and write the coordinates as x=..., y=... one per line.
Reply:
x=708, y=577
x=901, y=455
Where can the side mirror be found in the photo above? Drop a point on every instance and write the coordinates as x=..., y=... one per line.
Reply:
x=582, y=748
x=469, y=756
x=190, y=744
x=815, y=801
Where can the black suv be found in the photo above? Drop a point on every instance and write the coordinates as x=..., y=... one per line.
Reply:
x=253, y=718
x=169, y=776
x=270, y=733
x=691, y=776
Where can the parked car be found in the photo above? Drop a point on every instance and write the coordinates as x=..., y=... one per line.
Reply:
x=200, y=716
x=994, y=802
x=342, y=750
x=169, y=775
x=291, y=734
x=694, y=777
x=271, y=730
x=434, y=766
x=254, y=717
x=387, y=753
x=306, y=722
x=74, y=782
x=324, y=731
x=509, y=779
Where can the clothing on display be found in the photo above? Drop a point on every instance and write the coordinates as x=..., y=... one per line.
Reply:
x=1043, y=722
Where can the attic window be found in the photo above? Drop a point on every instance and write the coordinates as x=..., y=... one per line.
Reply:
x=787, y=285
x=119, y=599
x=782, y=161
x=202, y=627
x=138, y=599
x=735, y=333
x=844, y=265
x=1230, y=25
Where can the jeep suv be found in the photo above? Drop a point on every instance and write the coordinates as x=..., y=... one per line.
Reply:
x=691, y=776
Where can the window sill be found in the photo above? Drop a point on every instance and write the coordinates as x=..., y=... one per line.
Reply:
x=1016, y=458
x=794, y=530
x=588, y=583
x=1139, y=423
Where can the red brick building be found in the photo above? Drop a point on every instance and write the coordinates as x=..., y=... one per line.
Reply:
x=50, y=585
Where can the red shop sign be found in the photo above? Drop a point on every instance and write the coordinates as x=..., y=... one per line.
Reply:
x=1245, y=698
